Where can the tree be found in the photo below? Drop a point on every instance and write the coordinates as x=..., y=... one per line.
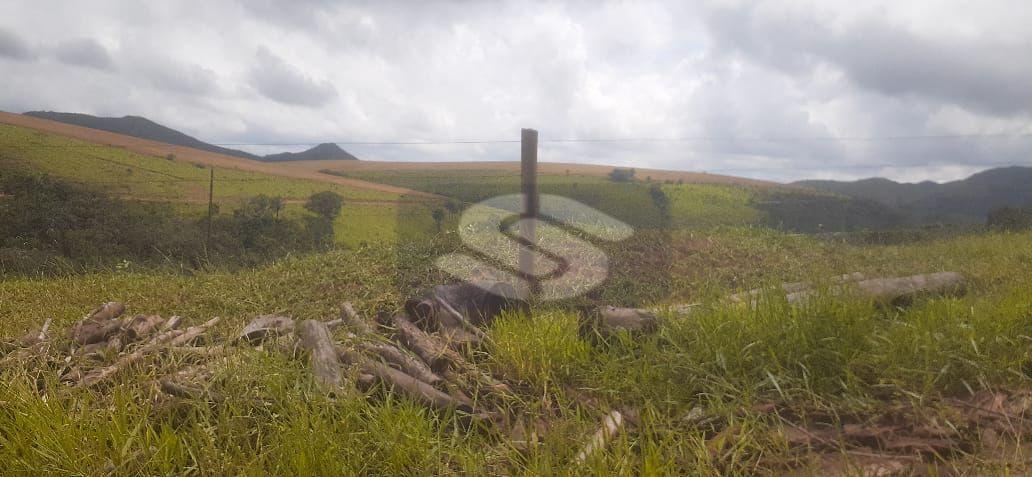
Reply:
x=661, y=201
x=622, y=175
x=1010, y=219
x=438, y=215
x=260, y=207
x=325, y=204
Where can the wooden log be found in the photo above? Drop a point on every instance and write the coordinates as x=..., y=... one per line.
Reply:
x=32, y=337
x=88, y=331
x=431, y=352
x=323, y=359
x=350, y=318
x=476, y=335
x=405, y=384
x=440, y=357
x=607, y=320
x=194, y=333
x=894, y=291
x=172, y=323
x=611, y=427
x=107, y=311
x=167, y=338
x=751, y=296
x=265, y=327
x=141, y=326
x=100, y=375
x=404, y=361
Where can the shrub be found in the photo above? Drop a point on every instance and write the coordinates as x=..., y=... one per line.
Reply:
x=621, y=175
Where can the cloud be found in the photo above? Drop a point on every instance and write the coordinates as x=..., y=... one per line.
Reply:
x=983, y=76
x=11, y=46
x=84, y=52
x=760, y=90
x=178, y=77
x=277, y=80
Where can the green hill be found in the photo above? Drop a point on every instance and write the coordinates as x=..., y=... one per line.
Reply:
x=140, y=127
x=963, y=201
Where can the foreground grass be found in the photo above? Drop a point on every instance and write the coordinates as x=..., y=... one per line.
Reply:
x=835, y=354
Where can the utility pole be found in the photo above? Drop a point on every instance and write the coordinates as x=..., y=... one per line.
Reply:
x=211, y=207
x=528, y=170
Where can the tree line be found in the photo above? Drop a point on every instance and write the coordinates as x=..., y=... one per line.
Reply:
x=49, y=226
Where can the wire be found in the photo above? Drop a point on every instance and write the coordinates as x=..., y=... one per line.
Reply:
x=652, y=140
x=607, y=140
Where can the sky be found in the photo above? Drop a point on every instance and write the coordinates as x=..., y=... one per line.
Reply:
x=779, y=90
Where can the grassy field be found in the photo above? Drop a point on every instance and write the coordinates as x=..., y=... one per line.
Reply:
x=838, y=356
x=128, y=174
x=368, y=215
x=697, y=206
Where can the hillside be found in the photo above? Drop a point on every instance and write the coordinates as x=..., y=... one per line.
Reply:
x=140, y=127
x=188, y=155
x=967, y=200
x=322, y=152
x=143, y=128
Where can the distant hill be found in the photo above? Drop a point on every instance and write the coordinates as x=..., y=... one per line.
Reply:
x=144, y=128
x=140, y=127
x=322, y=152
x=963, y=201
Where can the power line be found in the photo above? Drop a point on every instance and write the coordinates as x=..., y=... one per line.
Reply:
x=917, y=137
x=654, y=140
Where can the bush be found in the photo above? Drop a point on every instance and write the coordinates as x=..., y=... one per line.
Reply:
x=1010, y=219
x=48, y=226
x=621, y=175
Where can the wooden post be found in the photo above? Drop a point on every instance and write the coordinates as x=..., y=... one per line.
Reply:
x=528, y=168
x=211, y=195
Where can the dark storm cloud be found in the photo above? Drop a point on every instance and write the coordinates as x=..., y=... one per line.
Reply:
x=84, y=52
x=11, y=46
x=986, y=77
x=278, y=80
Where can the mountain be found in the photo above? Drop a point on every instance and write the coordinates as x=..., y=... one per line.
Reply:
x=964, y=201
x=322, y=152
x=140, y=127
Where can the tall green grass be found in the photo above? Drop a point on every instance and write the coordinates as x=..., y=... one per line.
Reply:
x=835, y=354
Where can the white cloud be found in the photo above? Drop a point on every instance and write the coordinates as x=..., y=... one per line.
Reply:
x=756, y=86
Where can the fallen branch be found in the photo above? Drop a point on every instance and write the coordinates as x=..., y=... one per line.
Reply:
x=439, y=356
x=264, y=327
x=404, y=383
x=191, y=335
x=607, y=320
x=172, y=323
x=171, y=337
x=895, y=291
x=350, y=318
x=611, y=426
x=404, y=361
